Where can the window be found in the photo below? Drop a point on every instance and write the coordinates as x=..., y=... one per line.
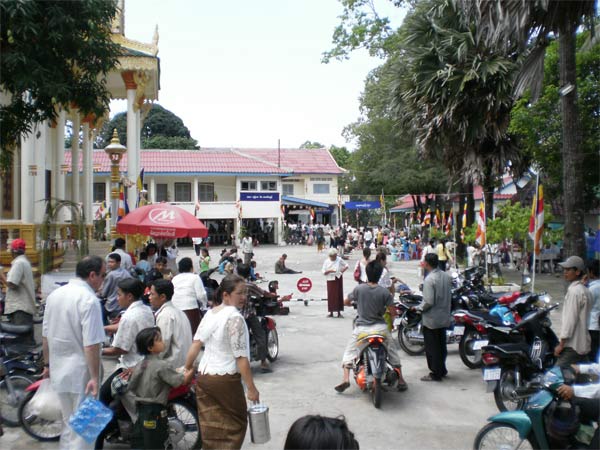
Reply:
x=99, y=192
x=206, y=192
x=162, y=193
x=248, y=186
x=268, y=185
x=320, y=188
x=183, y=192
x=321, y=179
x=287, y=189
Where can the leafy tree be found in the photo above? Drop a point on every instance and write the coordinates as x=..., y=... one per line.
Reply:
x=310, y=144
x=455, y=91
x=537, y=125
x=161, y=129
x=53, y=53
x=530, y=24
x=341, y=155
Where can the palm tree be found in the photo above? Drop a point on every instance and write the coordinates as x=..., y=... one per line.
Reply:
x=456, y=90
x=528, y=24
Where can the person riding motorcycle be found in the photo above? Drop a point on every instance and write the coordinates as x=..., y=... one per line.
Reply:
x=372, y=302
x=249, y=313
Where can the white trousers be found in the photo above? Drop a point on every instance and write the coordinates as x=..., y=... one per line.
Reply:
x=69, y=440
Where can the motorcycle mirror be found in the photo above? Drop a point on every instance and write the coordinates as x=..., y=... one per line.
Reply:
x=525, y=279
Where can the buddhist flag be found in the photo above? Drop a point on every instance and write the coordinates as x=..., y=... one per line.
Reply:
x=443, y=219
x=123, y=208
x=312, y=214
x=437, y=221
x=464, y=217
x=449, y=223
x=382, y=200
x=427, y=218
x=536, y=221
x=419, y=216
x=480, y=233
x=140, y=187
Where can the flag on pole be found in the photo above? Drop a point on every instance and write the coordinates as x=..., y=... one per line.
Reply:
x=382, y=200
x=464, y=221
x=140, y=187
x=449, y=223
x=437, y=218
x=480, y=233
x=443, y=219
x=108, y=211
x=123, y=208
x=427, y=218
x=536, y=221
x=419, y=216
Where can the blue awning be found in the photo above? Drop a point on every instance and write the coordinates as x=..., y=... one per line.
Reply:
x=287, y=200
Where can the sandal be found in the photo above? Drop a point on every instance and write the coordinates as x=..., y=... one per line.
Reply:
x=402, y=387
x=342, y=387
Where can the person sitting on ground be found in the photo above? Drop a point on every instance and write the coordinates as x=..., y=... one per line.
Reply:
x=204, y=261
x=280, y=266
x=150, y=383
x=254, y=275
x=320, y=433
x=372, y=302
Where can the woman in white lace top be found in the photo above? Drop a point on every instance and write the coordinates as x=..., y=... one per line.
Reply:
x=224, y=364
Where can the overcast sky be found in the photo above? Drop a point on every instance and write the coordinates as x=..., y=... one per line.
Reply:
x=245, y=73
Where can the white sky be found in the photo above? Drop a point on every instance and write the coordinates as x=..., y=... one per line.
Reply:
x=245, y=73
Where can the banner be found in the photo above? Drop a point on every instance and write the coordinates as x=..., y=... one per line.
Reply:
x=480, y=233
x=362, y=205
x=536, y=221
x=259, y=196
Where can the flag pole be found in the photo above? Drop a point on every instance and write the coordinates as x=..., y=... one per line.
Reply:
x=454, y=236
x=535, y=221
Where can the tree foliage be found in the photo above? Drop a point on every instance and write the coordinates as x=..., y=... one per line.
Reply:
x=341, y=156
x=161, y=129
x=538, y=125
x=311, y=144
x=54, y=54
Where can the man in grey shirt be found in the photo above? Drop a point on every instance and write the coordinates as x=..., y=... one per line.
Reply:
x=372, y=302
x=437, y=293
x=108, y=291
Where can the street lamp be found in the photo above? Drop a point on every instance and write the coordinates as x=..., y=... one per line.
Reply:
x=115, y=152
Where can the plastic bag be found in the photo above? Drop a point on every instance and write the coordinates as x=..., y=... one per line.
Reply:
x=45, y=404
x=90, y=419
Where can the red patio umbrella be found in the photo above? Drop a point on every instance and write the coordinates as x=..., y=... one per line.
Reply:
x=162, y=220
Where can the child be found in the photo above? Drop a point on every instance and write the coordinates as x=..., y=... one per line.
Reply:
x=150, y=383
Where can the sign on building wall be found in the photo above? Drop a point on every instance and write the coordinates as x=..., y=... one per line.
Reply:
x=362, y=205
x=259, y=196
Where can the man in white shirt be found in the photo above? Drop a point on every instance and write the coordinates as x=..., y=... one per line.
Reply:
x=126, y=261
x=247, y=249
x=189, y=293
x=136, y=317
x=173, y=323
x=72, y=336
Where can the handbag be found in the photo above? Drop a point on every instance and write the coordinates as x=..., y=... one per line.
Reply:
x=357, y=272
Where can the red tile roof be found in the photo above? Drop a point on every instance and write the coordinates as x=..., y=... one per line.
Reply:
x=226, y=161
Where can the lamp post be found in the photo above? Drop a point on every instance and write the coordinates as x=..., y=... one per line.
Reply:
x=115, y=152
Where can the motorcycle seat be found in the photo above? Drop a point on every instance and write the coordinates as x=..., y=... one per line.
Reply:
x=15, y=329
x=370, y=334
x=487, y=317
x=510, y=349
x=20, y=349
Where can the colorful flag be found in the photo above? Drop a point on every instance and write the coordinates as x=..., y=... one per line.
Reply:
x=382, y=200
x=464, y=217
x=449, y=223
x=443, y=219
x=419, y=216
x=312, y=214
x=480, y=233
x=427, y=218
x=437, y=221
x=123, y=208
x=536, y=221
x=140, y=187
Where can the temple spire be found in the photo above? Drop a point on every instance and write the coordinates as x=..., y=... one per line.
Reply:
x=118, y=24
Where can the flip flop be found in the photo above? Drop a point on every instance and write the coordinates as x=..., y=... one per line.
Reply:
x=342, y=387
x=402, y=387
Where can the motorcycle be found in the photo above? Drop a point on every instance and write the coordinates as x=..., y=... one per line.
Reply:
x=184, y=428
x=269, y=326
x=510, y=366
x=478, y=327
x=372, y=370
x=545, y=422
x=20, y=364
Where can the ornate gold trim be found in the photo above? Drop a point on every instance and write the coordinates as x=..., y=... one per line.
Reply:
x=150, y=49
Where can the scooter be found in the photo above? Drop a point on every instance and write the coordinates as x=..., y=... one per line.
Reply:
x=184, y=428
x=372, y=370
x=269, y=326
x=545, y=422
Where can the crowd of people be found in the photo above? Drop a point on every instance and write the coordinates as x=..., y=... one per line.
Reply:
x=161, y=313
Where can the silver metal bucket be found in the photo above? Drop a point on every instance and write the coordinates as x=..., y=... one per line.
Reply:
x=258, y=417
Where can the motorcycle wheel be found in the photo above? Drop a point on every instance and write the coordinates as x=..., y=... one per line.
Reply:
x=40, y=429
x=404, y=341
x=506, y=384
x=10, y=408
x=500, y=435
x=272, y=345
x=376, y=392
x=471, y=358
x=184, y=428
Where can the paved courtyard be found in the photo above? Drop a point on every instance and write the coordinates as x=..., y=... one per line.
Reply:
x=443, y=415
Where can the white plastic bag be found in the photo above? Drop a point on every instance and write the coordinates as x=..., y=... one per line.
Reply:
x=45, y=404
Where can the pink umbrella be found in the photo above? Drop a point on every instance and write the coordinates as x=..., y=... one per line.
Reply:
x=162, y=220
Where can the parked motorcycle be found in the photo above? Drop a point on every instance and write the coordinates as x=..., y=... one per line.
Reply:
x=184, y=428
x=20, y=364
x=510, y=366
x=545, y=422
x=268, y=325
x=372, y=369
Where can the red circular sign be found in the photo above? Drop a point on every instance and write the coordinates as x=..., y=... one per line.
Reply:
x=304, y=284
